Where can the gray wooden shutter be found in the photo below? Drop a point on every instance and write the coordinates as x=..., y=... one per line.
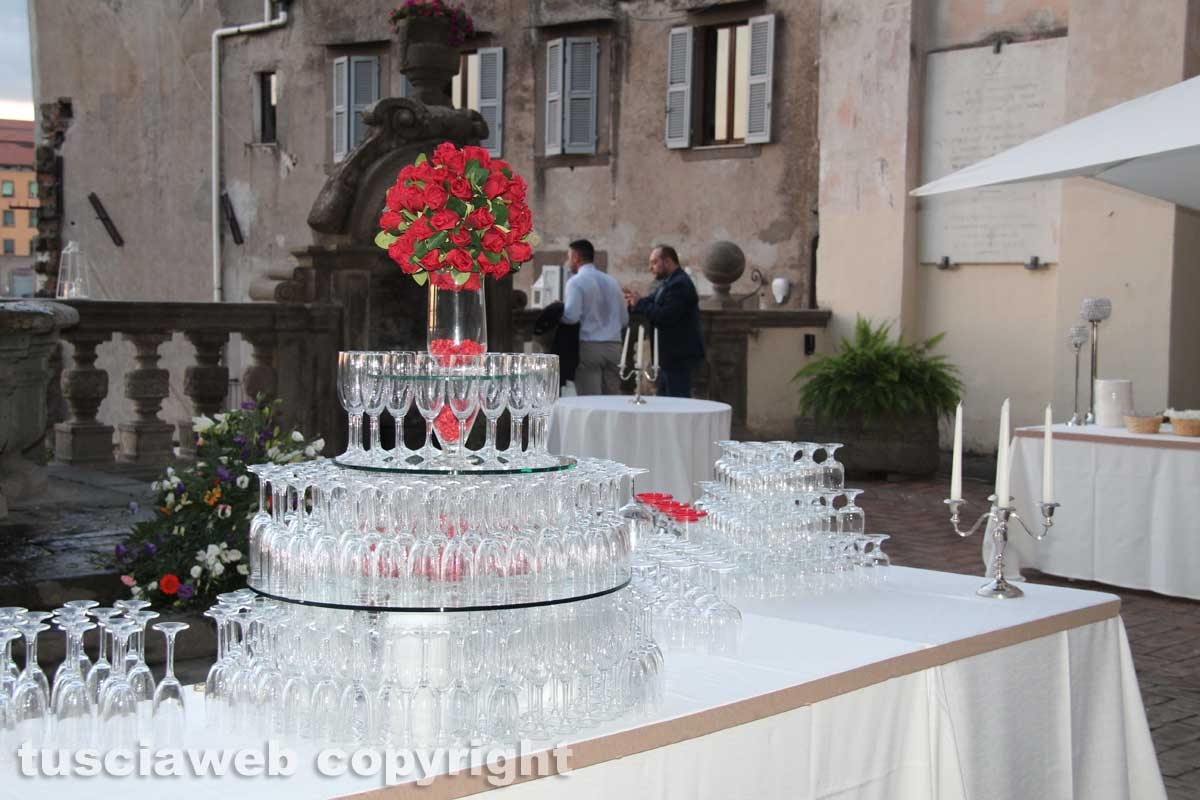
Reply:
x=341, y=67
x=679, y=88
x=758, y=96
x=554, y=95
x=364, y=92
x=489, y=97
x=580, y=72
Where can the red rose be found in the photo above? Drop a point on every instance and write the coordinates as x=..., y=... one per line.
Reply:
x=520, y=220
x=519, y=252
x=432, y=261
x=169, y=583
x=443, y=280
x=435, y=196
x=460, y=187
x=443, y=220
x=480, y=219
x=473, y=283
x=459, y=260
x=401, y=252
x=412, y=199
x=478, y=154
x=494, y=240
x=450, y=157
x=515, y=192
x=390, y=220
x=395, y=197
x=420, y=229
x=500, y=165
x=407, y=172
x=495, y=185
x=461, y=237
x=425, y=172
x=497, y=270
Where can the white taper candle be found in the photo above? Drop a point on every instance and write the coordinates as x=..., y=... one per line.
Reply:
x=1002, y=458
x=641, y=341
x=956, y=460
x=656, y=348
x=1048, y=460
x=625, y=351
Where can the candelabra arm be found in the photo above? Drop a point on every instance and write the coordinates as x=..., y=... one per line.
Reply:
x=954, y=517
x=1047, y=520
x=649, y=373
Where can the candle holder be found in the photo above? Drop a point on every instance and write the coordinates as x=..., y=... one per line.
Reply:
x=1095, y=310
x=1077, y=336
x=650, y=373
x=998, y=586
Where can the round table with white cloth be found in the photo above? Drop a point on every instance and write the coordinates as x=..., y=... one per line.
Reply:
x=672, y=437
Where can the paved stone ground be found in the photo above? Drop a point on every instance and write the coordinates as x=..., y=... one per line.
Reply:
x=1164, y=632
x=47, y=556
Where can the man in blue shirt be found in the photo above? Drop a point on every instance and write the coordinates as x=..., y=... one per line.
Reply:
x=674, y=309
x=594, y=302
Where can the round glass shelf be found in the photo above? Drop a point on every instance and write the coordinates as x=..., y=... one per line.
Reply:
x=575, y=598
x=551, y=464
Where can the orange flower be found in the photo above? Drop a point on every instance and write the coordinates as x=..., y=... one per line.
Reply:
x=212, y=496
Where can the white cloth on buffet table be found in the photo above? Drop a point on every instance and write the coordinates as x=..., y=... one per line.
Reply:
x=1128, y=513
x=673, y=437
x=1054, y=716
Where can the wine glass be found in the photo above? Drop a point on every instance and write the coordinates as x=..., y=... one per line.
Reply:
x=430, y=397
x=30, y=699
x=462, y=395
x=169, y=711
x=350, y=394
x=850, y=518
x=375, y=391
x=833, y=474
x=520, y=400
x=398, y=398
x=493, y=398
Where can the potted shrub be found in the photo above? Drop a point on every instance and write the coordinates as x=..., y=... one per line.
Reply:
x=881, y=398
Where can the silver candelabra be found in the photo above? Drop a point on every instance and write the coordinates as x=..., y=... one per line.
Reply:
x=650, y=373
x=1077, y=336
x=998, y=586
x=1095, y=310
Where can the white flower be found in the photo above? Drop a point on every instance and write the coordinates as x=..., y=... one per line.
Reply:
x=224, y=459
x=318, y=445
x=233, y=555
x=171, y=471
x=201, y=555
x=297, y=436
x=197, y=571
x=136, y=591
x=309, y=451
x=151, y=586
x=202, y=423
x=169, y=500
x=212, y=552
x=154, y=487
x=220, y=417
x=242, y=481
x=217, y=568
x=177, y=530
x=224, y=511
x=200, y=465
x=243, y=569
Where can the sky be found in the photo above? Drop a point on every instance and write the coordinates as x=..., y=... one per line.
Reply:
x=16, y=84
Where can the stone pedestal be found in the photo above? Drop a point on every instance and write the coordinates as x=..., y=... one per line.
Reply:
x=723, y=264
x=29, y=332
x=82, y=439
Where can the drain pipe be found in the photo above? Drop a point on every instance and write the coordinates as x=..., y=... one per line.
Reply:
x=267, y=23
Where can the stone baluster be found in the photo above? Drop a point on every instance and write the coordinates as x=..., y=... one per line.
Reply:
x=146, y=440
x=82, y=439
x=260, y=376
x=206, y=383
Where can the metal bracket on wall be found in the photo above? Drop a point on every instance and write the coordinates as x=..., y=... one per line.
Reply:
x=105, y=220
x=1035, y=263
x=945, y=263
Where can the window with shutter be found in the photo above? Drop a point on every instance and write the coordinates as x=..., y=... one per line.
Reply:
x=679, y=88
x=554, y=94
x=758, y=97
x=364, y=92
x=489, y=97
x=580, y=72
x=341, y=68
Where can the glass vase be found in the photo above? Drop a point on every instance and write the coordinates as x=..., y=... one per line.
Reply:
x=457, y=321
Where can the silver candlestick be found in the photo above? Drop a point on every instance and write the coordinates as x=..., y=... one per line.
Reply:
x=650, y=373
x=1077, y=336
x=1095, y=310
x=998, y=586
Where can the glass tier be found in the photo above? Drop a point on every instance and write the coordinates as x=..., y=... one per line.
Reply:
x=544, y=464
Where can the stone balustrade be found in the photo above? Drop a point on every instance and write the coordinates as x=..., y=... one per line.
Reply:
x=729, y=334
x=294, y=357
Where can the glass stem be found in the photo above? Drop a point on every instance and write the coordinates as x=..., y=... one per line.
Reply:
x=356, y=442
x=489, y=446
x=374, y=420
x=170, y=676
x=102, y=650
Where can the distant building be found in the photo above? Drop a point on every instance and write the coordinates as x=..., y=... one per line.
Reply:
x=18, y=207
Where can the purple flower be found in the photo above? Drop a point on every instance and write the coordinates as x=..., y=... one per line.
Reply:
x=248, y=405
x=239, y=440
x=186, y=591
x=245, y=453
x=120, y=552
x=222, y=473
x=149, y=548
x=180, y=489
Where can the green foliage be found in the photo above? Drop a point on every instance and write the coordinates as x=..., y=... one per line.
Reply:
x=195, y=546
x=874, y=376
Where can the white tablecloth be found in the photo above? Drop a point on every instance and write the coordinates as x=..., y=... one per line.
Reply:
x=1130, y=508
x=916, y=689
x=675, y=438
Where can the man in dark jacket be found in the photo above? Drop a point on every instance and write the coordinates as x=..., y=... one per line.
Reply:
x=674, y=310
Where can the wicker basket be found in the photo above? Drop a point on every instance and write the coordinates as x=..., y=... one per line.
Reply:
x=1140, y=424
x=1185, y=427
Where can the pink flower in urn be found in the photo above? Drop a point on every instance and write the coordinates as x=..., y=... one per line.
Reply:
x=128, y=580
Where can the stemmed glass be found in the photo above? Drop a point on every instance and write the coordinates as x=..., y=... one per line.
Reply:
x=398, y=398
x=258, y=524
x=493, y=399
x=375, y=392
x=520, y=402
x=118, y=700
x=350, y=394
x=833, y=474
x=430, y=396
x=462, y=395
x=102, y=668
x=30, y=700
x=69, y=700
x=851, y=519
x=168, y=696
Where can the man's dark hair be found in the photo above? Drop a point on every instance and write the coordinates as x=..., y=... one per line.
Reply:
x=668, y=252
x=584, y=248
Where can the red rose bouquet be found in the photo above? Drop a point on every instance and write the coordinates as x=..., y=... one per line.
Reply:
x=457, y=217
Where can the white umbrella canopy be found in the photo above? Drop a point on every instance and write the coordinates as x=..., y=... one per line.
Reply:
x=1150, y=145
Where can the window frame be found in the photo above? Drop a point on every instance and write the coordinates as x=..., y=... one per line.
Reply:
x=266, y=126
x=10, y=247
x=8, y=188
x=32, y=189
x=8, y=218
x=343, y=116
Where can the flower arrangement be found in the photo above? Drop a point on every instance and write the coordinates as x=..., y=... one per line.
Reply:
x=456, y=217
x=195, y=545
x=462, y=27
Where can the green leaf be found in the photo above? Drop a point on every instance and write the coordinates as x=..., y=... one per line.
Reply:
x=460, y=277
x=492, y=257
x=420, y=159
x=420, y=277
x=457, y=206
x=385, y=239
x=438, y=240
x=500, y=212
x=476, y=174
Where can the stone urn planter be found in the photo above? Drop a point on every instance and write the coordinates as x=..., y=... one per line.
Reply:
x=427, y=58
x=906, y=445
